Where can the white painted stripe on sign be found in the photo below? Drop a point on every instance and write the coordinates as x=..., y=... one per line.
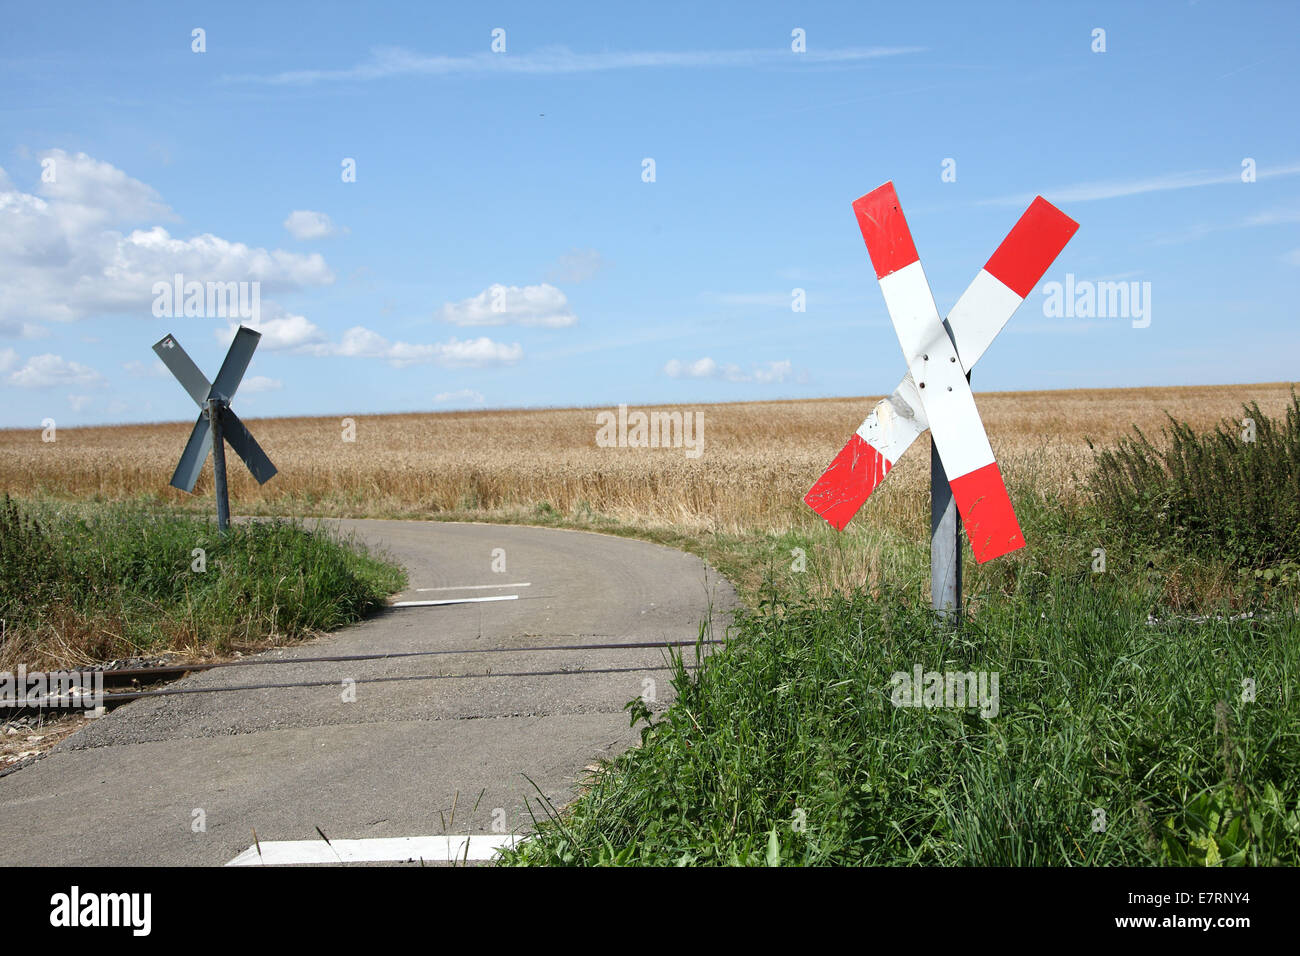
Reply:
x=979, y=315
x=975, y=321
x=475, y=587
x=495, y=597
x=912, y=310
x=431, y=849
x=932, y=360
x=895, y=422
x=1010, y=274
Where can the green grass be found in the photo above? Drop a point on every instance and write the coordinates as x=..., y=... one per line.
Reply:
x=93, y=582
x=1127, y=732
x=1120, y=693
x=789, y=743
x=1234, y=491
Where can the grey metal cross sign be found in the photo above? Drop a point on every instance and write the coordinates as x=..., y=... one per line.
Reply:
x=217, y=424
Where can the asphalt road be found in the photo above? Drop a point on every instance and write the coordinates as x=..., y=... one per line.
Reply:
x=131, y=788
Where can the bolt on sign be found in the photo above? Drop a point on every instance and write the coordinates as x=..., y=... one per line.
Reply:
x=217, y=423
x=935, y=393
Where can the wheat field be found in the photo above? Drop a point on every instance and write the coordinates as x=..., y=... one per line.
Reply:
x=758, y=459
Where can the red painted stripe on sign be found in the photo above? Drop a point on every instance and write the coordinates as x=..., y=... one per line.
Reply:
x=884, y=228
x=845, y=486
x=987, y=513
x=1031, y=247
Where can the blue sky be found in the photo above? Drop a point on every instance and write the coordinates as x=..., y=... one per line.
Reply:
x=515, y=180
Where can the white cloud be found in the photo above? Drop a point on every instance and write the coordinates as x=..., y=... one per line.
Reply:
x=1281, y=215
x=463, y=396
x=751, y=298
x=476, y=353
x=111, y=407
x=578, y=265
x=700, y=368
x=94, y=192
x=1273, y=217
x=8, y=359
x=154, y=369
x=259, y=383
x=282, y=331
x=765, y=373
x=543, y=305
x=305, y=224
x=393, y=61
x=64, y=254
x=45, y=371
x=23, y=330
x=298, y=335
x=1114, y=189
x=360, y=342
x=770, y=372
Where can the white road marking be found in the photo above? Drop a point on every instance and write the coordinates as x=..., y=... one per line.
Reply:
x=477, y=587
x=497, y=597
x=431, y=849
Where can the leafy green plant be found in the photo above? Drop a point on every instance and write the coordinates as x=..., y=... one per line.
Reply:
x=28, y=565
x=1219, y=828
x=1235, y=489
x=93, y=581
x=786, y=746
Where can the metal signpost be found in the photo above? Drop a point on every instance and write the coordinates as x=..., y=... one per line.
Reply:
x=965, y=482
x=217, y=423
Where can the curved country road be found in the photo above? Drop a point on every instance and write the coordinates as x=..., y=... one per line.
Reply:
x=127, y=789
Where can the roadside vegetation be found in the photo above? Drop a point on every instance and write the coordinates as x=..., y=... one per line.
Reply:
x=1146, y=641
x=1149, y=707
x=758, y=459
x=1232, y=491
x=87, y=583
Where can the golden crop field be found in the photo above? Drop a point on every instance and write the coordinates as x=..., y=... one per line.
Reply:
x=758, y=459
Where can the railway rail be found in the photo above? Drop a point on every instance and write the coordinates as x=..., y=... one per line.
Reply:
x=136, y=682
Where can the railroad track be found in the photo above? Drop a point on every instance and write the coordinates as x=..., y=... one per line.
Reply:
x=110, y=687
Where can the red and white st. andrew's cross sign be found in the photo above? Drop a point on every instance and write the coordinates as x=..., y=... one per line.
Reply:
x=935, y=393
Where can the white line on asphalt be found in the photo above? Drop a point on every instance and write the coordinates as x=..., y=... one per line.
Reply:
x=478, y=587
x=431, y=849
x=498, y=597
